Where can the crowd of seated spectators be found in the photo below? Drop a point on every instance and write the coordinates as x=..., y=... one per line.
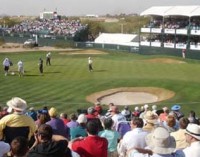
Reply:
x=57, y=27
x=92, y=132
x=174, y=23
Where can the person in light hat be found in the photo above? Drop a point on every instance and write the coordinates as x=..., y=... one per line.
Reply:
x=154, y=109
x=136, y=112
x=161, y=143
x=176, y=110
x=193, y=138
x=126, y=113
x=151, y=121
x=56, y=123
x=146, y=108
x=80, y=130
x=16, y=123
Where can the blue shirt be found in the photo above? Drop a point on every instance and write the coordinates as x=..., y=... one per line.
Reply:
x=112, y=137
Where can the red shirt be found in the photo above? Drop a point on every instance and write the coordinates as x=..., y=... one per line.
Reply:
x=65, y=120
x=91, y=146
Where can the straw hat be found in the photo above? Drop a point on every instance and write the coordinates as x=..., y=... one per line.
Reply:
x=150, y=117
x=17, y=103
x=193, y=130
x=160, y=141
x=52, y=112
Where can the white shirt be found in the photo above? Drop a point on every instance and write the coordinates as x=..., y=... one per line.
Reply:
x=6, y=62
x=48, y=55
x=20, y=64
x=126, y=112
x=133, y=138
x=116, y=119
x=193, y=150
x=89, y=61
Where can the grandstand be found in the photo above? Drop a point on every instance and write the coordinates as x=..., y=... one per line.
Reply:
x=172, y=27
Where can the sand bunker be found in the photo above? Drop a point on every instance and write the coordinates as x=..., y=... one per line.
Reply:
x=131, y=96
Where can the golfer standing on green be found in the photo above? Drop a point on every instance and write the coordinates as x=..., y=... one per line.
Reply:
x=90, y=64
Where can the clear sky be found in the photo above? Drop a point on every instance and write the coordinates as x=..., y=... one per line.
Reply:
x=84, y=7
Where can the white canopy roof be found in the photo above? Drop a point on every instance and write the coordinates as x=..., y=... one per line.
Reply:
x=115, y=38
x=173, y=11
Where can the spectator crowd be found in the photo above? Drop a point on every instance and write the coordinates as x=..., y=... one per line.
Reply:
x=145, y=132
x=46, y=27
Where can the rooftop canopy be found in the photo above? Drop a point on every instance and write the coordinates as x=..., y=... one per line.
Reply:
x=173, y=11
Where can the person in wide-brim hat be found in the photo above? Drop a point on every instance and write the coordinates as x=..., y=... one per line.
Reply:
x=160, y=141
x=17, y=104
x=151, y=117
x=193, y=130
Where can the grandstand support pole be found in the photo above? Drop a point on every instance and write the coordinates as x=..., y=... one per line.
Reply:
x=188, y=35
x=162, y=32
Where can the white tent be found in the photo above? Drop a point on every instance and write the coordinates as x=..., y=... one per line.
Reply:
x=157, y=10
x=117, y=38
x=173, y=11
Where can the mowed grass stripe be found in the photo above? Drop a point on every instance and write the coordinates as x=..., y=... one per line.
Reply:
x=67, y=82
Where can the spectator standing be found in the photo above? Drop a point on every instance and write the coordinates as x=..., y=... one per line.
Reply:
x=20, y=68
x=98, y=108
x=183, y=53
x=6, y=65
x=92, y=145
x=40, y=65
x=117, y=117
x=126, y=113
x=90, y=62
x=48, y=58
x=136, y=112
x=112, y=136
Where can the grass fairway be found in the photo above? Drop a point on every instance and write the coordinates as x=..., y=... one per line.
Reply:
x=67, y=82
